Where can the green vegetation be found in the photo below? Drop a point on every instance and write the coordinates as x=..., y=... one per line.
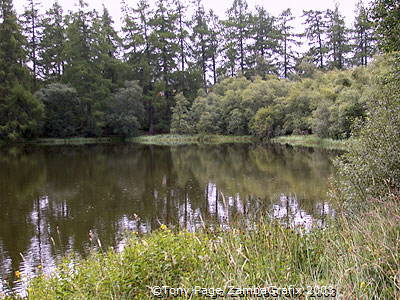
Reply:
x=176, y=68
x=312, y=141
x=72, y=141
x=359, y=258
x=171, y=139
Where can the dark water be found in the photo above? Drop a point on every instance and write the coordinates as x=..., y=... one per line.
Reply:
x=61, y=199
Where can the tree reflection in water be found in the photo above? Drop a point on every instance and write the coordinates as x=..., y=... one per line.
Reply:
x=73, y=199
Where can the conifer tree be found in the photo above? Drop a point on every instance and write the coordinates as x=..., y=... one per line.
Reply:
x=364, y=36
x=51, y=47
x=20, y=112
x=337, y=39
x=315, y=32
x=31, y=28
x=237, y=35
x=287, y=42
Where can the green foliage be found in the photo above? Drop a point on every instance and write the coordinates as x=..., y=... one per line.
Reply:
x=180, y=115
x=125, y=112
x=386, y=15
x=372, y=166
x=20, y=114
x=359, y=258
x=63, y=110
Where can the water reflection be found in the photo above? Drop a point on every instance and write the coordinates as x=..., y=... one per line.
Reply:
x=58, y=200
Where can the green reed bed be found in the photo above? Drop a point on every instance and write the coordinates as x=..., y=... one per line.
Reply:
x=359, y=257
x=178, y=139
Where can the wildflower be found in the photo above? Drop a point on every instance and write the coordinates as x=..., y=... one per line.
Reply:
x=18, y=274
x=163, y=227
x=362, y=284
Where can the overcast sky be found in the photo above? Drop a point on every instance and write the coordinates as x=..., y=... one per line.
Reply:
x=274, y=7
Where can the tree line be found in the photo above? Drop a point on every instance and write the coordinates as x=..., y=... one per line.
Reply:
x=73, y=74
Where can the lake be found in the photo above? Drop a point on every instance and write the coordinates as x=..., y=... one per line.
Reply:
x=57, y=200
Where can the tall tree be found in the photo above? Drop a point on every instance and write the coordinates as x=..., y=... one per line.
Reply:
x=20, y=112
x=31, y=27
x=237, y=34
x=107, y=46
x=315, y=29
x=364, y=36
x=386, y=16
x=215, y=35
x=51, y=48
x=266, y=42
x=287, y=42
x=200, y=40
x=337, y=39
x=83, y=70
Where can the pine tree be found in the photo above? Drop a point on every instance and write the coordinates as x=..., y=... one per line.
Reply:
x=237, y=35
x=51, y=47
x=287, y=42
x=315, y=32
x=364, y=36
x=107, y=46
x=386, y=16
x=215, y=35
x=200, y=41
x=266, y=42
x=83, y=70
x=31, y=28
x=337, y=39
x=20, y=112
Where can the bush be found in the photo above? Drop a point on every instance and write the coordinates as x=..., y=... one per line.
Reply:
x=372, y=166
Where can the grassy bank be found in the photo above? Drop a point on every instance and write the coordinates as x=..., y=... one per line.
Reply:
x=311, y=141
x=177, y=139
x=359, y=258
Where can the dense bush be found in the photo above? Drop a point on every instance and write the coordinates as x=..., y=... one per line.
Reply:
x=125, y=112
x=63, y=108
x=323, y=103
x=372, y=166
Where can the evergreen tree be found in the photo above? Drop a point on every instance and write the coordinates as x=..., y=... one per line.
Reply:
x=337, y=39
x=107, y=45
x=386, y=16
x=214, y=47
x=20, y=112
x=51, y=47
x=266, y=43
x=237, y=35
x=287, y=42
x=200, y=41
x=83, y=70
x=315, y=30
x=31, y=28
x=364, y=38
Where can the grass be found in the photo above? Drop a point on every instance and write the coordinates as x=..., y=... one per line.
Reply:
x=177, y=139
x=312, y=141
x=357, y=257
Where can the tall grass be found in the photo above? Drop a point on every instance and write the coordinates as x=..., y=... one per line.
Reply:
x=179, y=139
x=358, y=256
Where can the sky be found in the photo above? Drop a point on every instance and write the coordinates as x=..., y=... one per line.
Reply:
x=274, y=7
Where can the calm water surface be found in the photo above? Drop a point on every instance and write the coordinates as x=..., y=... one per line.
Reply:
x=56, y=200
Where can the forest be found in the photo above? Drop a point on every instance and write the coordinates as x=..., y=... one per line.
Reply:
x=175, y=67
